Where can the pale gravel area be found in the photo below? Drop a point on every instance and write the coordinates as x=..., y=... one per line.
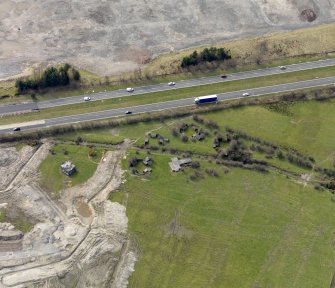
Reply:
x=109, y=37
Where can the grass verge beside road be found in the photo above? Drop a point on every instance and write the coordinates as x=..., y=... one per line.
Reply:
x=172, y=94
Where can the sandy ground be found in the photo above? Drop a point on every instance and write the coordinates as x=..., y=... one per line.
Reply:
x=109, y=37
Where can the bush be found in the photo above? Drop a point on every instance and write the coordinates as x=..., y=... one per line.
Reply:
x=132, y=162
x=206, y=55
x=211, y=172
x=51, y=77
x=184, y=138
x=92, y=152
x=174, y=131
x=195, y=164
x=196, y=176
x=79, y=140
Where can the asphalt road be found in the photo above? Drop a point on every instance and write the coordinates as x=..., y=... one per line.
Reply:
x=16, y=108
x=173, y=104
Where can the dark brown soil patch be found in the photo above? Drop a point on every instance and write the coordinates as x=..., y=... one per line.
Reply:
x=83, y=209
x=308, y=15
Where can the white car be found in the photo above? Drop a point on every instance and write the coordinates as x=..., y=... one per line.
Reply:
x=171, y=83
x=282, y=67
x=246, y=94
x=130, y=89
x=86, y=98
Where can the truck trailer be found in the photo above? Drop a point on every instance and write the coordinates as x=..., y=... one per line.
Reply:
x=206, y=99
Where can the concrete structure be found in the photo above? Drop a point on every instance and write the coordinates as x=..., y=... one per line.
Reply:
x=177, y=164
x=147, y=161
x=68, y=168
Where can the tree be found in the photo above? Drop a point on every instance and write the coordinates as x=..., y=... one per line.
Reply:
x=50, y=77
x=76, y=75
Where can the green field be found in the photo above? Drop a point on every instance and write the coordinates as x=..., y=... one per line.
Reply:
x=172, y=94
x=307, y=126
x=241, y=229
x=53, y=180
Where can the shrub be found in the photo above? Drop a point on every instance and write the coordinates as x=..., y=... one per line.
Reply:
x=92, y=152
x=318, y=187
x=196, y=176
x=184, y=138
x=132, y=162
x=195, y=164
x=206, y=55
x=211, y=172
x=79, y=140
x=174, y=131
x=51, y=77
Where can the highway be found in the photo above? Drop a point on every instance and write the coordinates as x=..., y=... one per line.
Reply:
x=16, y=108
x=168, y=105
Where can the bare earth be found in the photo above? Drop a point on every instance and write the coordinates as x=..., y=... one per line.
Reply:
x=80, y=240
x=109, y=37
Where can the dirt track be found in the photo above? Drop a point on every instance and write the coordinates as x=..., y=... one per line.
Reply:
x=112, y=36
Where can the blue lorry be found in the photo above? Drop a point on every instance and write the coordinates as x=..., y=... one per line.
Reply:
x=206, y=99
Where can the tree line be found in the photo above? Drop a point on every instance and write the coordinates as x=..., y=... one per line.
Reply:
x=51, y=77
x=206, y=55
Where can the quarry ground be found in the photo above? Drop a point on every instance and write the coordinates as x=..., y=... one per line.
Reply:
x=109, y=37
x=78, y=240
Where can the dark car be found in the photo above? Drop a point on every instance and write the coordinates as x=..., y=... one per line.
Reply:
x=17, y=129
x=128, y=112
x=223, y=76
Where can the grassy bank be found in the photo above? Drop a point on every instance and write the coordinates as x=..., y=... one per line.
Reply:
x=53, y=180
x=172, y=94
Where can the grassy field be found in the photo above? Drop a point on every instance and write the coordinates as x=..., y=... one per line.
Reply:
x=53, y=180
x=170, y=95
x=241, y=229
x=306, y=126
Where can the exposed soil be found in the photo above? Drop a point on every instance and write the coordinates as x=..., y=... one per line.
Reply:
x=308, y=15
x=108, y=37
x=75, y=240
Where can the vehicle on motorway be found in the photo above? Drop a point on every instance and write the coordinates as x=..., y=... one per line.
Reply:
x=17, y=129
x=87, y=98
x=206, y=99
x=128, y=112
x=171, y=83
x=130, y=89
x=223, y=76
x=246, y=94
x=282, y=67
